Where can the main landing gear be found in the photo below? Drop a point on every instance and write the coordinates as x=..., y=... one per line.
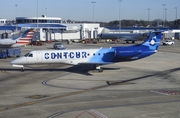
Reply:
x=22, y=69
x=99, y=69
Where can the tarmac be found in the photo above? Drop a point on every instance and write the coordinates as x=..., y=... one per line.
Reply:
x=146, y=88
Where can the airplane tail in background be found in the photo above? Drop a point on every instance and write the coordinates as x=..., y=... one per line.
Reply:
x=26, y=37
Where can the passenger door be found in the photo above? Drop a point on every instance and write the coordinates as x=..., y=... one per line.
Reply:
x=38, y=56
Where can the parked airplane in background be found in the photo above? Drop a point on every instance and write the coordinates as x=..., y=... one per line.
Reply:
x=18, y=42
x=123, y=36
x=95, y=57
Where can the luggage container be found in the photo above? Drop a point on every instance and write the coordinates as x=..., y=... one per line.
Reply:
x=10, y=52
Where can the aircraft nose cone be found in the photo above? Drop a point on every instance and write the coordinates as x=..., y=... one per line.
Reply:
x=17, y=63
x=14, y=61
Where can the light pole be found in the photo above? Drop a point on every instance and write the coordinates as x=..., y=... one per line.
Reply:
x=163, y=13
x=16, y=16
x=120, y=15
x=165, y=17
x=148, y=14
x=46, y=11
x=94, y=2
x=16, y=10
x=176, y=15
x=37, y=15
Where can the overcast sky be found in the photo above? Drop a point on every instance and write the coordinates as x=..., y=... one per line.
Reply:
x=82, y=10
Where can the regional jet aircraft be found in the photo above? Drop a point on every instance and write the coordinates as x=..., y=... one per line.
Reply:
x=95, y=57
x=123, y=36
x=18, y=42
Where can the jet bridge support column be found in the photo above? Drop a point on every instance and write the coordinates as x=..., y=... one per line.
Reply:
x=48, y=35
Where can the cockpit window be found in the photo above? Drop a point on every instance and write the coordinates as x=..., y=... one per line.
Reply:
x=28, y=55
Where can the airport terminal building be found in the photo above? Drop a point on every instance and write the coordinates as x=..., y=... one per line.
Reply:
x=2, y=21
x=52, y=28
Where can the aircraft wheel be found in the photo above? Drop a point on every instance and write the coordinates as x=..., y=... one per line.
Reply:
x=22, y=70
x=100, y=70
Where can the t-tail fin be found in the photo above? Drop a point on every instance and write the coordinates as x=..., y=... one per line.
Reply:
x=26, y=37
x=153, y=40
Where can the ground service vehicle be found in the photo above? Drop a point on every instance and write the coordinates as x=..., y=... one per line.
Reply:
x=168, y=42
x=10, y=52
x=59, y=46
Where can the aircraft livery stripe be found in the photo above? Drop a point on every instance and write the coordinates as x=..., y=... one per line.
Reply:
x=103, y=55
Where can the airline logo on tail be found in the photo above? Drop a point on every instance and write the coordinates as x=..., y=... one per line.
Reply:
x=153, y=41
x=26, y=38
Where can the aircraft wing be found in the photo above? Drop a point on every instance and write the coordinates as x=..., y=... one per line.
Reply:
x=94, y=63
